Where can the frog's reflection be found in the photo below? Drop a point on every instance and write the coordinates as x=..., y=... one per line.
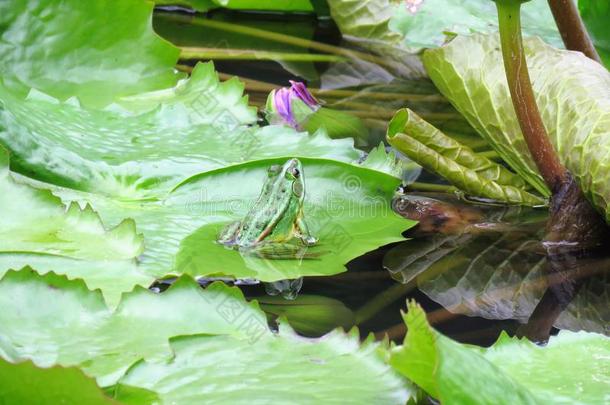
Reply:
x=489, y=261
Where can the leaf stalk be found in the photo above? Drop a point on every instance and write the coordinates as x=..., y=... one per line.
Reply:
x=522, y=94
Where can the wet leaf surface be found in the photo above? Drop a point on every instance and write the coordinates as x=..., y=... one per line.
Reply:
x=567, y=370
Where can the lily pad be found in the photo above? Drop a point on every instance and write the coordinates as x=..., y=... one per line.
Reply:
x=38, y=229
x=284, y=368
x=96, y=52
x=25, y=383
x=59, y=321
x=269, y=5
x=432, y=22
x=55, y=321
x=145, y=144
x=348, y=208
x=567, y=370
x=412, y=26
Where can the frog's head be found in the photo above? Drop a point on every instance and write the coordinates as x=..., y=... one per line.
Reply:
x=292, y=173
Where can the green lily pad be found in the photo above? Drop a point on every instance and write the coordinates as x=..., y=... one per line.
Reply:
x=430, y=23
x=97, y=52
x=570, y=369
x=285, y=368
x=25, y=383
x=347, y=207
x=55, y=321
x=38, y=229
x=59, y=321
x=147, y=143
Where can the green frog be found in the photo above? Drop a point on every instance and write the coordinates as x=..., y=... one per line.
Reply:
x=275, y=219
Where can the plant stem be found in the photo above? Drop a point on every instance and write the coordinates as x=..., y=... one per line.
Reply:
x=382, y=300
x=524, y=102
x=257, y=85
x=282, y=38
x=441, y=188
x=574, y=227
x=572, y=29
x=249, y=54
x=375, y=112
x=390, y=96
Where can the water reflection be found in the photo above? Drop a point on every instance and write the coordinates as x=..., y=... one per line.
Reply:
x=487, y=261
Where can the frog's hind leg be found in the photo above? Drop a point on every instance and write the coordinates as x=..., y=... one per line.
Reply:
x=302, y=232
x=228, y=234
x=274, y=250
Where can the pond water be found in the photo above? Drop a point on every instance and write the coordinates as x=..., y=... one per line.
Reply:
x=476, y=268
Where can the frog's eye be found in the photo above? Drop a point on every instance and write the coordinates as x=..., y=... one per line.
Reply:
x=295, y=172
x=274, y=170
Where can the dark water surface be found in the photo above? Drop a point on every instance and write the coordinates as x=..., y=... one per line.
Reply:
x=477, y=269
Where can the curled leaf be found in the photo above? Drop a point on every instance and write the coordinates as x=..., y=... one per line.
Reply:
x=572, y=93
x=437, y=152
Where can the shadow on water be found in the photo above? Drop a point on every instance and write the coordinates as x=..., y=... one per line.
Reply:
x=477, y=269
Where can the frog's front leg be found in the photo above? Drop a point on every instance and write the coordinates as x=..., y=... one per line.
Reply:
x=302, y=232
x=228, y=235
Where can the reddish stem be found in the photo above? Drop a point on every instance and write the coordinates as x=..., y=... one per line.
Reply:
x=572, y=29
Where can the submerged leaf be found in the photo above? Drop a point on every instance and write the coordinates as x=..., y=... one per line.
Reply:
x=364, y=19
x=365, y=23
x=309, y=315
x=512, y=371
x=411, y=25
x=495, y=276
x=572, y=92
x=446, y=157
x=495, y=269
